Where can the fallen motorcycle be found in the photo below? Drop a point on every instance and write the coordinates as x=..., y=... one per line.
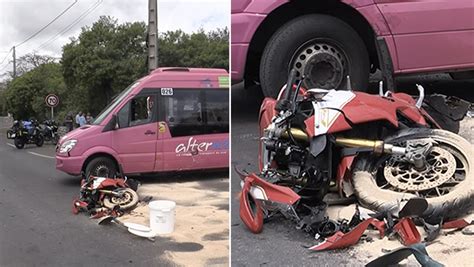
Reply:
x=100, y=196
x=385, y=149
x=26, y=132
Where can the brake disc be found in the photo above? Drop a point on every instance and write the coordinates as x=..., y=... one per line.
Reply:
x=440, y=166
x=125, y=198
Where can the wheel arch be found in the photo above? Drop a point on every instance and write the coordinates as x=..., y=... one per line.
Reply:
x=284, y=13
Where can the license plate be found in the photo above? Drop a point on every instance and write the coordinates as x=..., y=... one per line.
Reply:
x=12, y=135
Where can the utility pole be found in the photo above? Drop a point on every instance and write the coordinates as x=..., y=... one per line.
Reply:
x=14, y=62
x=152, y=35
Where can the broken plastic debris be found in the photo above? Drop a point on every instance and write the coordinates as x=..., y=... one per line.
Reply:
x=341, y=240
x=399, y=254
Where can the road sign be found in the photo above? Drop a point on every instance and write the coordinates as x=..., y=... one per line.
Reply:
x=52, y=100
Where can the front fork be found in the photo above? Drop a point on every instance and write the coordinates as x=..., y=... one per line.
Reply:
x=377, y=146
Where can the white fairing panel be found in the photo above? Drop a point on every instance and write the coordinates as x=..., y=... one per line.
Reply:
x=326, y=111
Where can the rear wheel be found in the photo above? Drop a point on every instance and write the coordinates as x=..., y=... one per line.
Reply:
x=101, y=167
x=19, y=143
x=446, y=181
x=322, y=48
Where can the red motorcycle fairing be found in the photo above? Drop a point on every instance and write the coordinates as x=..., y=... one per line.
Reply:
x=267, y=112
x=110, y=182
x=362, y=108
x=253, y=218
x=365, y=108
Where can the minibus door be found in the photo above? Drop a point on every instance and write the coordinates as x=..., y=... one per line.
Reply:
x=136, y=137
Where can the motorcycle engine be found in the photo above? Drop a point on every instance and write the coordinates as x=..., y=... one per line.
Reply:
x=289, y=159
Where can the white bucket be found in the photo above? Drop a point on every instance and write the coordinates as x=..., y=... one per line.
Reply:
x=162, y=216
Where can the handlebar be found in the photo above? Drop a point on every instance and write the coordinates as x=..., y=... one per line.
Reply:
x=289, y=84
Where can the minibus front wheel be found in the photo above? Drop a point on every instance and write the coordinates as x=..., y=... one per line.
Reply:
x=101, y=167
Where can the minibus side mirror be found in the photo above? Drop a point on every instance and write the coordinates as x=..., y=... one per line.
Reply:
x=111, y=125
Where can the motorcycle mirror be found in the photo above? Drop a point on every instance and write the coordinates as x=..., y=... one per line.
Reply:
x=348, y=83
x=289, y=84
x=421, y=90
x=381, y=88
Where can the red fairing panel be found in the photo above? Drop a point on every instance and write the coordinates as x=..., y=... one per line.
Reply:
x=342, y=169
x=365, y=108
x=267, y=112
x=273, y=192
x=362, y=108
x=253, y=217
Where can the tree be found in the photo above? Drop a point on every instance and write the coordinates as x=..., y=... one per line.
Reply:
x=28, y=62
x=199, y=49
x=103, y=61
x=24, y=96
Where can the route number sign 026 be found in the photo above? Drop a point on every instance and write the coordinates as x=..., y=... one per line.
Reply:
x=52, y=100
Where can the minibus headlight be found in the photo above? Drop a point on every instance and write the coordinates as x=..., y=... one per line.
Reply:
x=67, y=146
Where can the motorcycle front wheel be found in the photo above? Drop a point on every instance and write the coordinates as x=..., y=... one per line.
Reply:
x=128, y=200
x=446, y=181
x=39, y=140
x=55, y=139
x=19, y=143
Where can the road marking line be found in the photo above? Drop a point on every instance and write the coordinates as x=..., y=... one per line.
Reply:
x=11, y=145
x=41, y=155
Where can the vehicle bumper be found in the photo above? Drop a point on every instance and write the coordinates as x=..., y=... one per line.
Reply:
x=70, y=165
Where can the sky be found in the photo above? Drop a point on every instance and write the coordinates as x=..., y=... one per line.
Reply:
x=21, y=19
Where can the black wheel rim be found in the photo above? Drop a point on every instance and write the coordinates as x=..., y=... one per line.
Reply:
x=101, y=170
x=323, y=63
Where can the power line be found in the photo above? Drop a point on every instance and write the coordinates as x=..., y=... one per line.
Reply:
x=4, y=67
x=51, y=22
x=71, y=25
x=6, y=56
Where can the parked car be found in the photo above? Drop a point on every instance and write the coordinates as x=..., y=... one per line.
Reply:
x=174, y=119
x=327, y=40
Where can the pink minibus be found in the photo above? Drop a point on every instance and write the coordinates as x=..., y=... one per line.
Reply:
x=174, y=119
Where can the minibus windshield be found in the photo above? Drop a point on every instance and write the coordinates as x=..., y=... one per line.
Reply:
x=105, y=112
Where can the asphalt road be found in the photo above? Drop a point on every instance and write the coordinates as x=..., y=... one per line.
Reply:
x=37, y=227
x=280, y=244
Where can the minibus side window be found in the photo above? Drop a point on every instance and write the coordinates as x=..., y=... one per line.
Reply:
x=123, y=116
x=137, y=112
x=196, y=112
x=217, y=111
x=183, y=112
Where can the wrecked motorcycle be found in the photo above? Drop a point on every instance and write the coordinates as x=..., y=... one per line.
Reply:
x=384, y=149
x=99, y=195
